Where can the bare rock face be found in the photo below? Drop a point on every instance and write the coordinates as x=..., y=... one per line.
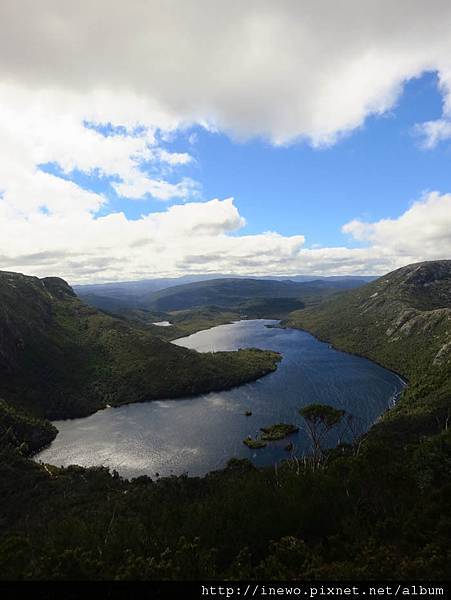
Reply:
x=425, y=286
x=403, y=321
x=58, y=288
x=443, y=355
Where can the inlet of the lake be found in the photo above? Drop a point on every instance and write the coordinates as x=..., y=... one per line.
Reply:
x=198, y=435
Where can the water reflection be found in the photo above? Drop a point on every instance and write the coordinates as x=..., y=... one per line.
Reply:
x=197, y=435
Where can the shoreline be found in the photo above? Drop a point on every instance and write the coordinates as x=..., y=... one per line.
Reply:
x=403, y=378
x=393, y=400
x=174, y=398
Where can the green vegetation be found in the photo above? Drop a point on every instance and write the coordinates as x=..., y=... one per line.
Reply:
x=187, y=322
x=377, y=509
x=60, y=358
x=270, y=434
x=195, y=306
x=374, y=515
x=403, y=321
x=21, y=430
x=225, y=293
x=267, y=298
x=278, y=431
x=320, y=419
x=254, y=444
x=269, y=308
x=183, y=322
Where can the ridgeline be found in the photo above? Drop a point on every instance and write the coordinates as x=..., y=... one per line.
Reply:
x=402, y=321
x=376, y=509
x=60, y=358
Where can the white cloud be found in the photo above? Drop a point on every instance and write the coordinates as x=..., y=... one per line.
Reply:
x=283, y=70
x=194, y=235
x=432, y=133
x=422, y=232
x=202, y=238
x=49, y=127
x=175, y=158
x=139, y=185
x=279, y=69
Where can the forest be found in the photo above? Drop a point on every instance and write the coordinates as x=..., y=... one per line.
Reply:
x=374, y=509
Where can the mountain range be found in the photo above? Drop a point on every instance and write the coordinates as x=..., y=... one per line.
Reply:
x=249, y=295
x=375, y=509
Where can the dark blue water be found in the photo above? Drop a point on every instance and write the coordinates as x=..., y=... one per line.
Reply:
x=197, y=435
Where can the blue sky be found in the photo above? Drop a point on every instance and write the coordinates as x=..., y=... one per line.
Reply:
x=261, y=138
x=375, y=172
x=372, y=173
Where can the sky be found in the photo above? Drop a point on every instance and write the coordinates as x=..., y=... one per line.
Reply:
x=147, y=139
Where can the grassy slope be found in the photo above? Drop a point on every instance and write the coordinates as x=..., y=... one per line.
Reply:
x=60, y=358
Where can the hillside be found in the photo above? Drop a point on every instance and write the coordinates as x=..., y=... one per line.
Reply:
x=60, y=358
x=402, y=320
x=129, y=292
x=243, y=294
x=375, y=510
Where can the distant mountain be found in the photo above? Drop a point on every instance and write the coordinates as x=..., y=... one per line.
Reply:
x=241, y=293
x=129, y=291
x=108, y=303
x=329, y=278
x=374, y=510
x=402, y=320
x=129, y=294
x=60, y=358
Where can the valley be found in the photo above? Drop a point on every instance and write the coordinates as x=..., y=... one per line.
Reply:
x=368, y=506
x=197, y=435
x=60, y=358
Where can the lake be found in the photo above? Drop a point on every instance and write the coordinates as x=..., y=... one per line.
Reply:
x=198, y=435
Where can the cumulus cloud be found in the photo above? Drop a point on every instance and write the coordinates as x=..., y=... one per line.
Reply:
x=424, y=230
x=203, y=238
x=51, y=127
x=139, y=185
x=286, y=70
x=280, y=69
x=159, y=243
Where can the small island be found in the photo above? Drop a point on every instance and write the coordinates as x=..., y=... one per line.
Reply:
x=278, y=431
x=254, y=444
x=272, y=434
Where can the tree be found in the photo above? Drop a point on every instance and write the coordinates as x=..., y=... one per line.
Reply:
x=320, y=419
x=355, y=429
